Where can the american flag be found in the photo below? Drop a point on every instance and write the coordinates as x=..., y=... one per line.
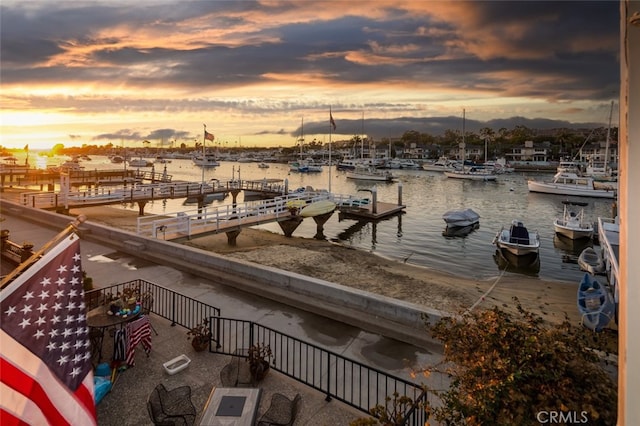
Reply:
x=333, y=123
x=208, y=136
x=45, y=355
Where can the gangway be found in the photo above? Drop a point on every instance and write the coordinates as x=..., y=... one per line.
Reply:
x=213, y=220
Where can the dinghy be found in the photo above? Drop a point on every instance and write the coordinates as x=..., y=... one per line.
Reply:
x=594, y=303
x=591, y=261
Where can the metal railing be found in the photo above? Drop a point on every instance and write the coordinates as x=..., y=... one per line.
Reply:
x=335, y=375
x=339, y=377
x=175, y=307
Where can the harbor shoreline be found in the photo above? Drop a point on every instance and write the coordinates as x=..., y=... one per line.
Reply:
x=554, y=301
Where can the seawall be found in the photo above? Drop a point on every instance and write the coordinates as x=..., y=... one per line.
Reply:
x=371, y=312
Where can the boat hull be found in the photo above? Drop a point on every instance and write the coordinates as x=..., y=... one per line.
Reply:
x=591, y=262
x=573, y=233
x=518, y=241
x=470, y=176
x=560, y=189
x=595, y=304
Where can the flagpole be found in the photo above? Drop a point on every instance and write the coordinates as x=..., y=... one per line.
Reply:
x=35, y=256
x=330, y=125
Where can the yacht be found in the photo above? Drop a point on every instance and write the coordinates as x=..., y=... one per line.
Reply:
x=370, y=173
x=472, y=173
x=565, y=183
x=206, y=160
x=443, y=164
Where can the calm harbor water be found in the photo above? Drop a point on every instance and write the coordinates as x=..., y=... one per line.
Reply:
x=417, y=235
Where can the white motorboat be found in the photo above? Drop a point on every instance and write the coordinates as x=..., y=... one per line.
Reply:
x=443, y=164
x=370, y=173
x=263, y=165
x=565, y=183
x=461, y=218
x=403, y=163
x=140, y=162
x=472, y=173
x=572, y=225
x=568, y=166
x=206, y=160
x=517, y=239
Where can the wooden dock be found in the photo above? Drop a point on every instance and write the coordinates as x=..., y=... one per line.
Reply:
x=372, y=211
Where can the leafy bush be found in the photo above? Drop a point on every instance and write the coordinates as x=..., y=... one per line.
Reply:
x=507, y=370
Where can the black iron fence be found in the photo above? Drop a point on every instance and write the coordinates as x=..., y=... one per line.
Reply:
x=349, y=381
x=177, y=308
x=344, y=379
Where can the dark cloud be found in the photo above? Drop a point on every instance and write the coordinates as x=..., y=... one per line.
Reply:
x=552, y=51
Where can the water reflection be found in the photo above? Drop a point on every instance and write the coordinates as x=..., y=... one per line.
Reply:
x=569, y=246
x=459, y=231
x=358, y=226
x=528, y=264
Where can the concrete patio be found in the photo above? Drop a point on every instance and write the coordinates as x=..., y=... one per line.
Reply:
x=126, y=403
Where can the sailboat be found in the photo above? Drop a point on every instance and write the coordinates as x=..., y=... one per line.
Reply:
x=470, y=171
x=304, y=165
x=600, y=170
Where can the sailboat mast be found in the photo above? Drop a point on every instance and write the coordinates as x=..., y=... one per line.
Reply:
x=362, y=138
x=301, y=136
x=464, y=146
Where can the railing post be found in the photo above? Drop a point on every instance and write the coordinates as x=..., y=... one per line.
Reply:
x=218, y=345
x=328, y=397
x=173, y=309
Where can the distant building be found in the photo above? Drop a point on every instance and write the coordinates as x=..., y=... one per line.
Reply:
x=530, y=151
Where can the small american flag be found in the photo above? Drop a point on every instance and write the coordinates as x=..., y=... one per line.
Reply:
x=45, y=354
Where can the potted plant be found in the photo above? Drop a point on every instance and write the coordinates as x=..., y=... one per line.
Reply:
x=200, y=335
x=258, y=357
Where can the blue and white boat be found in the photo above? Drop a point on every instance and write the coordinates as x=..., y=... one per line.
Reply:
x=595, y=303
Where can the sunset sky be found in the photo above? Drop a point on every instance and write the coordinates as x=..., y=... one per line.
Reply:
x=93, y=72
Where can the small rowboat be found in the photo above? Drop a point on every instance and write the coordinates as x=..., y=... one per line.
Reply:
x=591, y=262
x=594, y=303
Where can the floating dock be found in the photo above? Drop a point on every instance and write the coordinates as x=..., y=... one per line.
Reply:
x=372, y=211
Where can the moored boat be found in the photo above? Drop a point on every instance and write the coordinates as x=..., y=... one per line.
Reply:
x=517, y=239
x=472, y=173
x=565, y=183
x=595, y=303
x=591, y=261
x=572, y=225
x=140, y=162
x=442, y=164
x=370, y=173
x=206, y=160
x=461, y=218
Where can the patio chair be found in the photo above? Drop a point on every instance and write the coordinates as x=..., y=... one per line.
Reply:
x=282, y=411
x=172, y=407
